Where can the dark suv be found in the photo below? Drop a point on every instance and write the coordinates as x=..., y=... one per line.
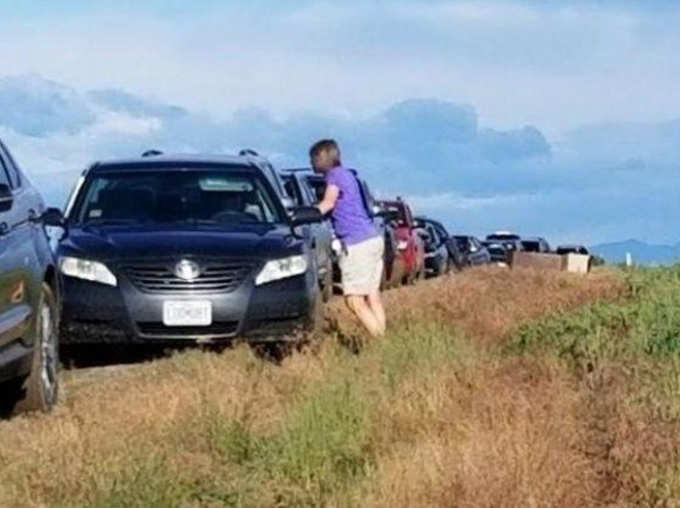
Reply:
x=29, y=296
x=474, y=253
x=537, y=244
x=174, y=248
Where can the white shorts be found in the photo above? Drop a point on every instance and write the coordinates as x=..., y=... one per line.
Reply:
x=361, y=267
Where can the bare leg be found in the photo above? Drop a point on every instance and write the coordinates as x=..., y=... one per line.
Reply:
x=374, y=301
x=363, y=312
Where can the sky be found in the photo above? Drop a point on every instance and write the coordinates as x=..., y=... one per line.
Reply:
x=557, y=118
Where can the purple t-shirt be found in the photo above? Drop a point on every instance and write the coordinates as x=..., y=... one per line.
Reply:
x=350, y=219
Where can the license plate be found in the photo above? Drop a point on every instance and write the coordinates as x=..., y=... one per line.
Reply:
x=188, y=313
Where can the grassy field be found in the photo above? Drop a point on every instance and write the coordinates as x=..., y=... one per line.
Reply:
x=492, y=388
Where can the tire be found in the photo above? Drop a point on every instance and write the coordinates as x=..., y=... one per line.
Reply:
x=40, y=390
x=421, y=274
x=327, y=284
x=316, y=318
x=383, y=280
x=442, y=268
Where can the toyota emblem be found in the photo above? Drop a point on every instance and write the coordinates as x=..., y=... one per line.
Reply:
x=187, y=270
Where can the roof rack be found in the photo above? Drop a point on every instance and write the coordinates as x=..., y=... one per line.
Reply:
x=297, y=170
x=152, y=153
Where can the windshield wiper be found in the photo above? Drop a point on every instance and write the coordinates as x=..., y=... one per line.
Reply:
x=111, y=222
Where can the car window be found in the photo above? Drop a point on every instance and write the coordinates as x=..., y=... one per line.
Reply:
x=317, y=186
x=4, y=178
x=173, y=196
x=292, y=189
x=10, y=167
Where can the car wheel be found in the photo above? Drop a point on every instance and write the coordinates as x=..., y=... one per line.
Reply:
x=316, y=318
x=40, y=390
x=327, y=283
x=384, y=282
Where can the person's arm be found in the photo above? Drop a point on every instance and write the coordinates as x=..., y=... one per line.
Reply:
x=330, y=197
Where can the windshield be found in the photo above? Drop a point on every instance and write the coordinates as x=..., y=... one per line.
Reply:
x=502, y=236
x=172, y=196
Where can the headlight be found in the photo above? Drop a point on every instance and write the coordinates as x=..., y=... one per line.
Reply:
x=277, y=269
x=87, y=270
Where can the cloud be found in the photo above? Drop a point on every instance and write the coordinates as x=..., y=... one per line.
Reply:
x=121, y=101
x=519, y=62
x=36, y=107
x=433, y=151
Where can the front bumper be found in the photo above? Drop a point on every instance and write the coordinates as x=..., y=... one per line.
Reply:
x=96, y=313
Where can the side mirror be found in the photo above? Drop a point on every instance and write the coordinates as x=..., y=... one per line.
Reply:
x=288, y=203
x=6, y=198
x=305, y=215
x=53, y=217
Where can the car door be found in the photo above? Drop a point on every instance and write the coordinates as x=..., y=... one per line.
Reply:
x=322, y=231
x=479, y=255
x=18, y=207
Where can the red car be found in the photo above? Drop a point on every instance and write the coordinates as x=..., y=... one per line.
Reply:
x=409, y=260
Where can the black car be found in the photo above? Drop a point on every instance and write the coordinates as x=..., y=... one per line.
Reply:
x=511, y=241
x=302, y=193
x=473, y=251
x=29, y=296
x=572, y=249
x=537, y=244
x=173, y=248
x=437, y=258
x=497, y=251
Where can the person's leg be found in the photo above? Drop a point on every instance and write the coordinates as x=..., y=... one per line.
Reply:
x=360, y=308
x=374, y=301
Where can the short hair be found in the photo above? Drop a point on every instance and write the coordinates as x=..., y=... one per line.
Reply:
x=326, y=145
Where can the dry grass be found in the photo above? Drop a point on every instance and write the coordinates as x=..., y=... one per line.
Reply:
x=433, y=416
x=490, y=436
x=488, y=303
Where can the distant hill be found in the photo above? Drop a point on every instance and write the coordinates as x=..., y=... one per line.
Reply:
x=643, y=253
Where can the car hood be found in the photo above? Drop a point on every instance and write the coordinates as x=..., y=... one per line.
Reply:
x=114, y=243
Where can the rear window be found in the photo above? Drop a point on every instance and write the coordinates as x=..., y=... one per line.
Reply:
x=531, y=246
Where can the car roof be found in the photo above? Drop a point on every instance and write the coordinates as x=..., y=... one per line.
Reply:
x=297, y=170
x=571, y=246
x=179, y=160
x=533, y=239
x=514, y=236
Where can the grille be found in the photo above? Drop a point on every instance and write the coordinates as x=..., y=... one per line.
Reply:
x=217, y=329
x=214, y=278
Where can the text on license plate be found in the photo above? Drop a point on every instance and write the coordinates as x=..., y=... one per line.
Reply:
x=187, y=313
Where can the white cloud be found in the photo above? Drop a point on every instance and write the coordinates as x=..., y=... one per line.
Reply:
x=516, y=61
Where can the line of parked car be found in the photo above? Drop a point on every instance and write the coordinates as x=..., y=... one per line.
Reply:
x=502, y=244
x=184, y=249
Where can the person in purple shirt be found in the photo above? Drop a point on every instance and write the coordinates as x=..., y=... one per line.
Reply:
x=361, y=261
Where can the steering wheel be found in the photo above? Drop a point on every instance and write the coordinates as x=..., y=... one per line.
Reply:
x=234, y=216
